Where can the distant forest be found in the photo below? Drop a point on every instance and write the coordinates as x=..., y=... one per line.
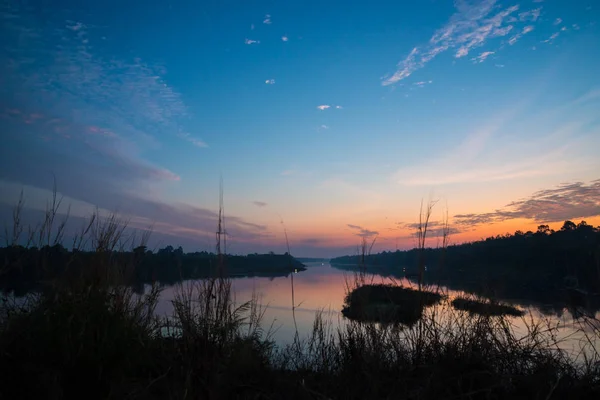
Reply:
x=27, y=269
x=545, y=267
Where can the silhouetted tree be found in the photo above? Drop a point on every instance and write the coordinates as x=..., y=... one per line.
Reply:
x=543, y=229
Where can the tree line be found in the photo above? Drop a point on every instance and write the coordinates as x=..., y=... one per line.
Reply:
x=26, y=269
x=545, y=266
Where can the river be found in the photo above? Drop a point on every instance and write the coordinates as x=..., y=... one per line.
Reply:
x=323, y=288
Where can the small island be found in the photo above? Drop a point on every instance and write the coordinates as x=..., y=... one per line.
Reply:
x=388, y=304
x=485, y=307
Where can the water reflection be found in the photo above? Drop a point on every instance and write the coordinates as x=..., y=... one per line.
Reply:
x=323, y=288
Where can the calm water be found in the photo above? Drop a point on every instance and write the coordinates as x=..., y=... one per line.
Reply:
x=323, y=288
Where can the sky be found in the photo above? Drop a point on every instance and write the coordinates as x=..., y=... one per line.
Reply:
x=328, y=121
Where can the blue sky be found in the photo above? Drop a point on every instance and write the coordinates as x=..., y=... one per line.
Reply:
x=326, y=115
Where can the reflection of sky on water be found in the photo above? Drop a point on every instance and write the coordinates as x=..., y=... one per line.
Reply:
x=323, y=288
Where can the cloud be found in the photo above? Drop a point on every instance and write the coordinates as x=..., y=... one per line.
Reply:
x=267, y=19
x=527, y=29
x=75, y=26
x=198, y=142
x=434, y=229
x=323, y=107
x=518, y=36
x=531, y=15
x=270, y=81
x=499, y=65
x=564, y=202
x=288, y=172
x=57, y=70
x=285, y=38
x=551, y=38
x=406, y=68
x=195, y=141
x=503, y=31
x=323, y=127
x=362, y=232
x=250, y=41
x=557, y=21
x=482, y=57
x=470, y=27
x=492, y=153
x=422, y=83
x=259, y=203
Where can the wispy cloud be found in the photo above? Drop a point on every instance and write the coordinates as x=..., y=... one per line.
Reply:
x=197, y=142
x=558, y=21
x=482, y=57
x=250, y=41
x=435, y=229
x=288, y=172
x=472, y=25
x=519, y=35
x=551, y=38
x=527, y=29
x=267, y=19
x=531, y=15
x=323, y=127
x=57, y=64
x=565, y=202
x=503, y=31
x=491, y=154
x=270, y=81
x=362, y=232
x=422, y=83
x=75, y=26
x=285, y=38
x=259, y=203
x=323, y=107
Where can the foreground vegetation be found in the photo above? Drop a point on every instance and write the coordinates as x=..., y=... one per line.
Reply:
x=88, y=335
x=91, y=341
